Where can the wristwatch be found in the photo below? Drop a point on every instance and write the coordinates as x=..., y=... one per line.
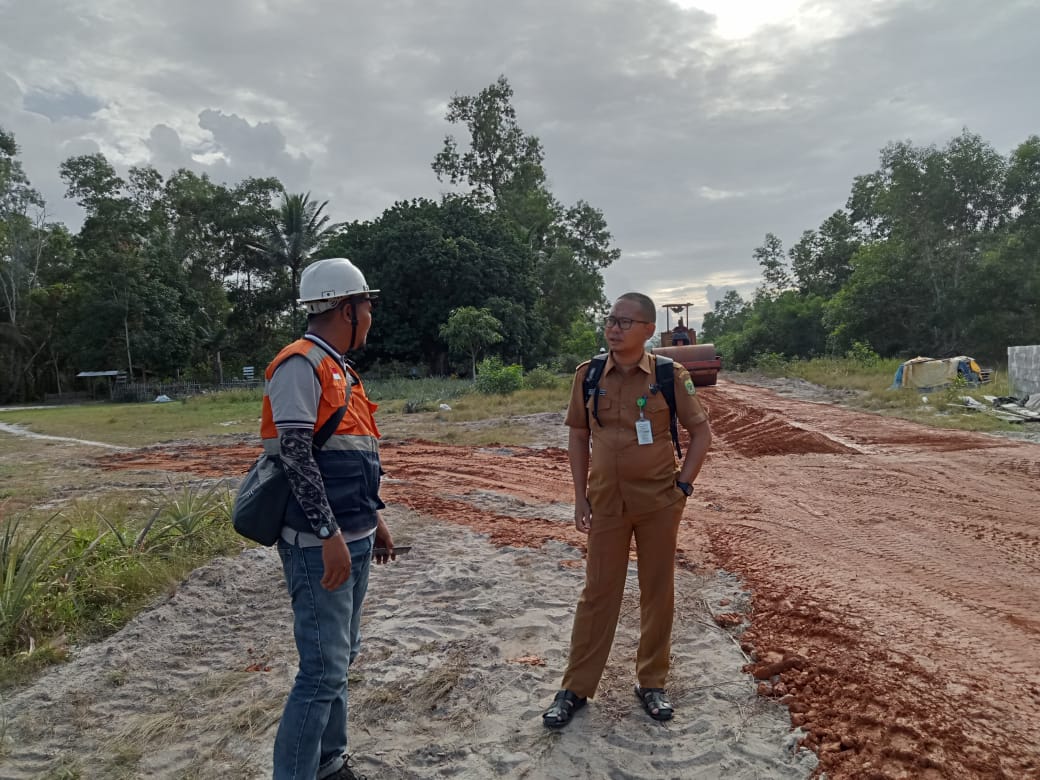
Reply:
x=685, y=487
x=326, y=530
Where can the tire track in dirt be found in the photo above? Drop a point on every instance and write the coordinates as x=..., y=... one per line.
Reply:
x=895, y=568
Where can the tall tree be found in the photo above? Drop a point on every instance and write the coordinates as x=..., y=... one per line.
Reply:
x=212, y=229
x=470, y=331
x=1006, y=286
x=26, y=244
x=822, y=259
x=938, y=210
x=429, y=258
x=21, y=220
x=503, y=167
x=501, y=161
x=132, y=303
x=727, y=316
x=297, y=231
x=774, y=267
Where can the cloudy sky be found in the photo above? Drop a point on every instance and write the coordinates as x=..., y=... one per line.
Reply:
x=696, y=126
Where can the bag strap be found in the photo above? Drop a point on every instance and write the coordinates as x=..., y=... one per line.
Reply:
x=664, y=374
x=591, y=381
x=330, y=426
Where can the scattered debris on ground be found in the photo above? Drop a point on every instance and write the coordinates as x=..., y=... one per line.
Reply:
x=1006, y=408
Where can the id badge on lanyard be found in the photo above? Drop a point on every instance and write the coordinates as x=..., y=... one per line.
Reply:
x=644, y=433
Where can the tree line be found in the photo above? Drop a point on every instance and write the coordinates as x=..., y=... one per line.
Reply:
x=179, y=277
x=935, y=253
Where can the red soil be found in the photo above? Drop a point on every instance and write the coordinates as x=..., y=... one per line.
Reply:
x=895, y=569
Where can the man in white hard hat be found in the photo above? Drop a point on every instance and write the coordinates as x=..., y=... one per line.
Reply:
x=333, y=520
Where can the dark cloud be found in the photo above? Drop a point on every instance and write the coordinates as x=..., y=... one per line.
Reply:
x=259, y=147
x=167, y=152
x=693, y=146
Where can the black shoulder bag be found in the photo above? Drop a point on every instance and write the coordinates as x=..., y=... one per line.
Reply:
x=259, y=510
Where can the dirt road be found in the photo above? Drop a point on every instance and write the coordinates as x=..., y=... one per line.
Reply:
x=895, y=568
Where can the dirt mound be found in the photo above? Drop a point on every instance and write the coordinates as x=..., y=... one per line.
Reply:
x=754, y=433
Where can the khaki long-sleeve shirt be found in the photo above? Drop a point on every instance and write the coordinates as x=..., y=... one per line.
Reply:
x=626, y=477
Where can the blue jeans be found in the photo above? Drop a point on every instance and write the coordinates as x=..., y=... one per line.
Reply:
x=312, y=736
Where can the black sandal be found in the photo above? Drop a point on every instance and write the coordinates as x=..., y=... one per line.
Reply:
x=655, y=702
x=563, y=708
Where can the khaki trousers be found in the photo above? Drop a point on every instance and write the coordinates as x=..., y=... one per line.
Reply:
x=596, y=617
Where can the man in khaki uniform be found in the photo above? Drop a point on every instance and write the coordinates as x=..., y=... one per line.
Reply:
x=628, y=484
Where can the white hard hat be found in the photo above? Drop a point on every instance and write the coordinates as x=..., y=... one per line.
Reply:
x=324, y=284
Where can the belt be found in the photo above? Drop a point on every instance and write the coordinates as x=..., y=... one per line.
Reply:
x=306, y=539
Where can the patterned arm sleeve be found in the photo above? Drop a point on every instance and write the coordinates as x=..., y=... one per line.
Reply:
x=304, y=476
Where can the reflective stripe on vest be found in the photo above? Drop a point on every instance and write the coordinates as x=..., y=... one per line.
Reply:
x=336, y=443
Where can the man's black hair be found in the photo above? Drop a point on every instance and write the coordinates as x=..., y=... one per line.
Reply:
x=646, y=305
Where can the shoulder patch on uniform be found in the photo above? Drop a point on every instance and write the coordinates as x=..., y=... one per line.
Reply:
x=690, y=389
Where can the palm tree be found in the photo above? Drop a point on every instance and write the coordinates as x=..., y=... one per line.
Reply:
x=298, y=228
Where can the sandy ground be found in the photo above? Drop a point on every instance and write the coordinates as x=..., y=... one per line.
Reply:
x=883, y=578
x=463, y=644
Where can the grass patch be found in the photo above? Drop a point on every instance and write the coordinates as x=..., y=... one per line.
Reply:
x=872, y=381
x=845, y=374
x=461, y=424
x=398, y=391
x=116, y=551
x=453, y=690
x=82, y=574
x=64, y=768
x=24, y=476
x=132, y=425
x=476, y=406
x=27, y=558
x=238, y=411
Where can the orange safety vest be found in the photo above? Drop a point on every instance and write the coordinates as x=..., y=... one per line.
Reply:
x=349, y=461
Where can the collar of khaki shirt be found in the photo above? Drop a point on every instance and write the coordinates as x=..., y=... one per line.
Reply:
x=643, y=364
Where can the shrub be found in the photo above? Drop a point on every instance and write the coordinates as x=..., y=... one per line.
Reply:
x=494, y=378
x=25, y=561
x=89, y=577
x=416, y=405
x=566, y=363
x=770, y=363
x=540, y=378
x=183, y=514
x=861, y=353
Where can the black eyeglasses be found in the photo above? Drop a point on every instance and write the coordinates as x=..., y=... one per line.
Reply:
x=625, y=323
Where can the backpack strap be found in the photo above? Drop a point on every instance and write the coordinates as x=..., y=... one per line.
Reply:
x=591, y=382
x=664, y=375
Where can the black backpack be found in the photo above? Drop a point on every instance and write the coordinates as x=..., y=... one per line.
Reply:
x=665, y=376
